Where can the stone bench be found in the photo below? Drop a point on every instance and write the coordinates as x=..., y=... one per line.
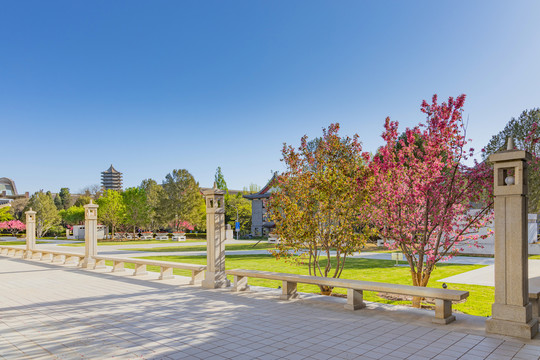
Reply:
x=355, y=288
x=179, y=237
x=12, y=250
x=42, y=254
x=162, y=236
x=55, y=256
x=166, y=267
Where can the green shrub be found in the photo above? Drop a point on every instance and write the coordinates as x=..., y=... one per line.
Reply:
x=56, y=231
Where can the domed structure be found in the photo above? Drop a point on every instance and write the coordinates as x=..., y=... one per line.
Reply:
x=8, y=191
x=7, y=187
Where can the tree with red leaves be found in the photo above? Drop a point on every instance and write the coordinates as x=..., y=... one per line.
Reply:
x=422, y=192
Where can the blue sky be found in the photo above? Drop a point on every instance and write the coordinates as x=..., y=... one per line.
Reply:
x=162, y=85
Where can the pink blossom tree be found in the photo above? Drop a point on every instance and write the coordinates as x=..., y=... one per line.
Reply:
x=181, y=225
x=422, y=192
x=13, y=226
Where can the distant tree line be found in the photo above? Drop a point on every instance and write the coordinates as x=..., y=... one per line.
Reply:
x=174, y=205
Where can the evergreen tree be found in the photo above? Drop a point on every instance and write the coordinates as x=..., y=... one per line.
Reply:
x=65, y=198
x=219, y=179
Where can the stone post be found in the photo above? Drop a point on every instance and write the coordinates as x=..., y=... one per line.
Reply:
x=30, y=232
x=90, y=235
x=215, y=246
x=511, y=312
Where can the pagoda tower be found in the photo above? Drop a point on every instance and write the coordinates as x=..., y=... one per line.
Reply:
x=111, y=179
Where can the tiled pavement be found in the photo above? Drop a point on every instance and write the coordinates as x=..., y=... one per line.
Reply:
x=60, y=312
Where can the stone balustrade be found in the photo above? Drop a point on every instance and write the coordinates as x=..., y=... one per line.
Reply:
x=68, y=258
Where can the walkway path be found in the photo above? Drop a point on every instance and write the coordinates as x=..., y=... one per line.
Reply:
x=60, y=312
x=125, y=250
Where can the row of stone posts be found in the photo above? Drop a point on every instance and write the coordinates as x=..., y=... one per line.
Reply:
x=215, y=276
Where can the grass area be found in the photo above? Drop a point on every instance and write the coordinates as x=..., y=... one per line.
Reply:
x=534, y=257
x=134, y=242
x=478, y=303
x=19, y=242
x=259, y=246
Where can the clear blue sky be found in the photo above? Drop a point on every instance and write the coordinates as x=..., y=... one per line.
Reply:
x=152, y=86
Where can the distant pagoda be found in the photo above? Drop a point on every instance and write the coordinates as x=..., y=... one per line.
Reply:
x=111, y=179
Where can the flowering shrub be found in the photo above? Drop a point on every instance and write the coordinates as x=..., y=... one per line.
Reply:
x=182, y=225
x=316, y=207
x=13, y=226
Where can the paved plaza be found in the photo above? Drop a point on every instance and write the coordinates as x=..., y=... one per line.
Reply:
x=64, y=312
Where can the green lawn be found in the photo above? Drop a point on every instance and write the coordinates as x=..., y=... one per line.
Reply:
x=478, y=303
x=260, y=246
x=534, y=257
x=133, y=242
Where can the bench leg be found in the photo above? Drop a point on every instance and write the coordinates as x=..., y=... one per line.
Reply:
x=535, y=307
x=196, y=277
x=22, y=254
x=288, y=290
x=118, y=266
x=443, y=312
x=37, y=255
x=11, y=252
x=240, y=283
x=46, y=257
x=72, y=260
x=355, y=299
x=58, y=258
x=99, y=264
x=3, y=251
x=140, y=269
x=166, y=273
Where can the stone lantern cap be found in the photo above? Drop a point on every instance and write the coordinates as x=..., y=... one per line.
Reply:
x=214, y=191
x=510, y=155
x=30, y=212
x=91, y=205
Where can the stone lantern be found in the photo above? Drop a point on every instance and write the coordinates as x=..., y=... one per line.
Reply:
x=30, y=232
x=90, y=234
x=215, y=276
x=511, y=312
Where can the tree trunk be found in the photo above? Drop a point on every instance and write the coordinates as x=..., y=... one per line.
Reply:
x=326, y=290
x=419, y=280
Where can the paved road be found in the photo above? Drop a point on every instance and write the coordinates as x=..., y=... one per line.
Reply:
x=60, y=312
